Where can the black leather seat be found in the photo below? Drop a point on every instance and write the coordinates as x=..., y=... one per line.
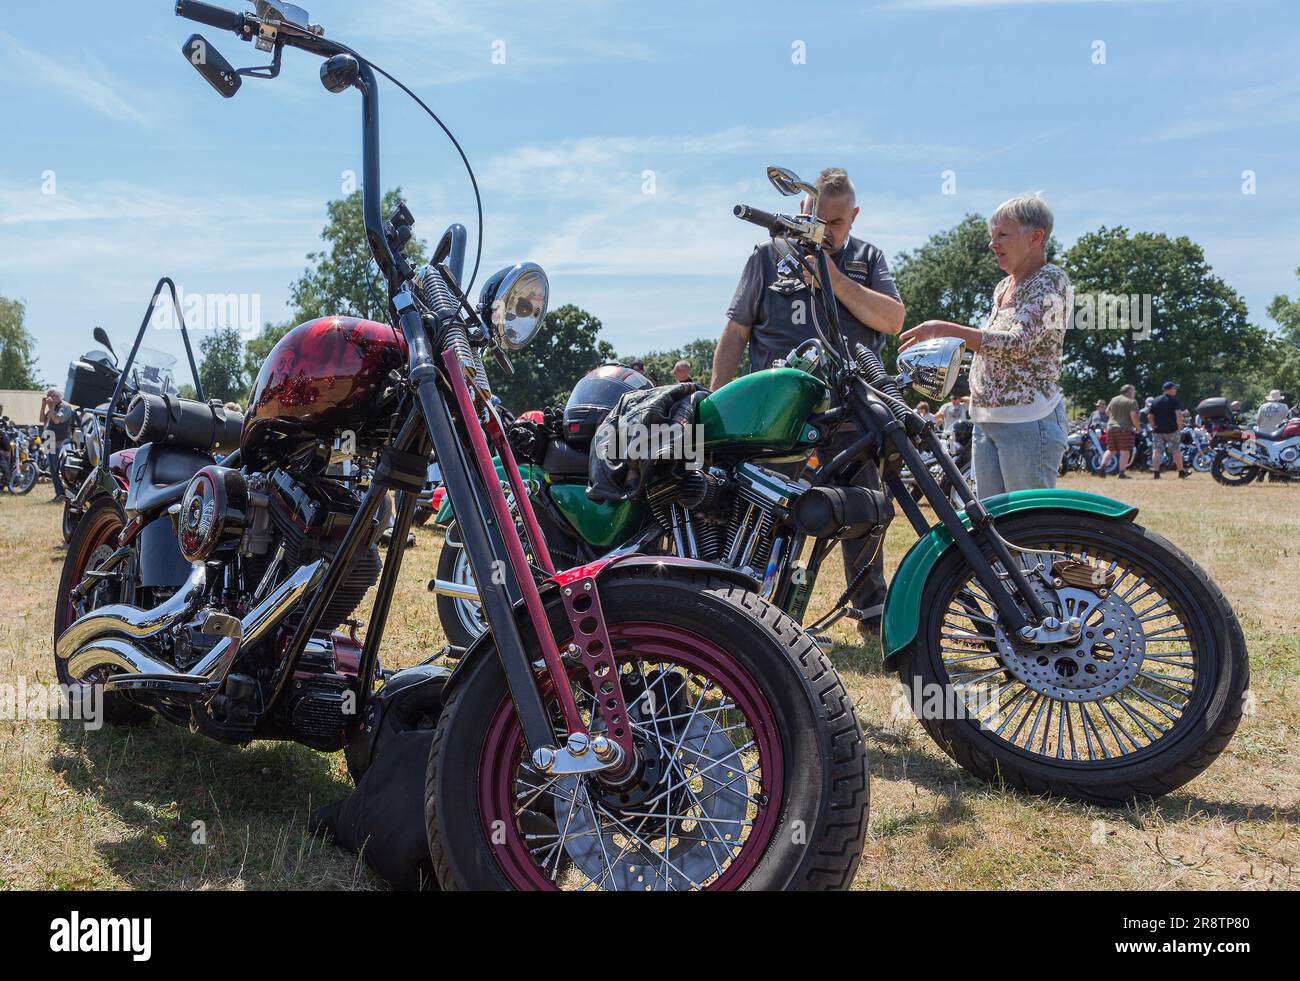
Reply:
x=564, y=461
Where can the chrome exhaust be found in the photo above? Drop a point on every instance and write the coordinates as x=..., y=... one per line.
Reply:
x=259, y=620
x=133, y=622
x=92, y=641
x=456, y=590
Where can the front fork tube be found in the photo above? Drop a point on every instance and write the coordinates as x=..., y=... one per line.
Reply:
x=518, y=562
x=473, y=515
x=981, y=530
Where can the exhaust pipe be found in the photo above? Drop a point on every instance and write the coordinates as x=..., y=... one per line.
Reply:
x=259, y=620
x=133, y=622
x=90, y=642
x=456, y=590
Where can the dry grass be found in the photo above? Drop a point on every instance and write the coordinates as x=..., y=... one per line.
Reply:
x=115, y=808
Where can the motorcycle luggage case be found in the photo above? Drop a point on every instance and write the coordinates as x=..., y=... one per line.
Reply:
x=88, y=385
x=1215, y=408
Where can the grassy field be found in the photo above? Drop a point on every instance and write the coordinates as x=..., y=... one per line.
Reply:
x=118, y=808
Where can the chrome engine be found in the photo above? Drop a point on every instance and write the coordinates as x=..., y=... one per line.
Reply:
x=258, y=546
x=729, y=517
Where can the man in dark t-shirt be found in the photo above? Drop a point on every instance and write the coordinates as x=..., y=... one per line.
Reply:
x=773, y=313
x=1167, y=417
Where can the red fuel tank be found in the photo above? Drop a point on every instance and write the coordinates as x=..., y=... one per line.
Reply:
x=322, y=378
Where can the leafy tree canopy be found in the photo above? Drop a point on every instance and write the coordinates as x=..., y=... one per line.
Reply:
x=17, y=366
x=344, y=278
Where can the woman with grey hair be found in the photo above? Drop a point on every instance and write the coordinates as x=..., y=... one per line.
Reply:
x=1015, y=392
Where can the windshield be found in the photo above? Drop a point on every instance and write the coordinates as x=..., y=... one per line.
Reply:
x=154, y=372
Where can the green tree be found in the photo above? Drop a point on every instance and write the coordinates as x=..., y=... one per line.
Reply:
x=258, y=347
x=952, y=276
x=1198, y=333
x=699, y=352
x=17, y=366
x=344, y=278
x=222, y=366
x=566, y=348
x=1280, y=365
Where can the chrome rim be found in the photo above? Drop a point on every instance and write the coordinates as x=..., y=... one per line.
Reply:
x=1120, y=692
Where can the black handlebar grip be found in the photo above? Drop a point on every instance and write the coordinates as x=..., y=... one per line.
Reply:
x=764, y=219
x=206, y=13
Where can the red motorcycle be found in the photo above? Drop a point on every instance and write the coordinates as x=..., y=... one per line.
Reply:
x=640, y=722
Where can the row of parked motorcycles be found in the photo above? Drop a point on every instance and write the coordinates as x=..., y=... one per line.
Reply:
x=1233, y=452
x=1085, y=450
x=644, y=703
x=24, y=459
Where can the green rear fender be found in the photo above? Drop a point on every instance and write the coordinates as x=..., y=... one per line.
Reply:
x=531, y=473
x=902, y=616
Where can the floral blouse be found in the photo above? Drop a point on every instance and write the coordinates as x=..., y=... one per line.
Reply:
x=1018, y=364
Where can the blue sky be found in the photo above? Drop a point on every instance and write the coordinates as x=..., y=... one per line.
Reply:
x=153, y=174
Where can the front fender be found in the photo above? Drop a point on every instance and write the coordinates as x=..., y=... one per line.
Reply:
x=602, y=568
x=902, y=616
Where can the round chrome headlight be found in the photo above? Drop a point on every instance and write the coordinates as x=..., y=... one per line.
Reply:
x=514, y=301
x=932, y=368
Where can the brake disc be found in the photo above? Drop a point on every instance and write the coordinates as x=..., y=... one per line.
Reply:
x=629, y=856
x=1104, y=660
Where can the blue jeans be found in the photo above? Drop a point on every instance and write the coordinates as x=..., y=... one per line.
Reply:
x=1012, y=456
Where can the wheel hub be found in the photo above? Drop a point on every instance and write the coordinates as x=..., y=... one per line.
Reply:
x=1103, y=661
x=673, y=760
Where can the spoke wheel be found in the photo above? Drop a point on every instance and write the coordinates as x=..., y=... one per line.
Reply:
x=695, y=812
x=749, y=768
x=1147, y=696
x=93, y=541
x=1124, y=685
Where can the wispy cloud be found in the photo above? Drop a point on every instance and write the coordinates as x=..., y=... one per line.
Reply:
x=443, y=42
x=81, y=77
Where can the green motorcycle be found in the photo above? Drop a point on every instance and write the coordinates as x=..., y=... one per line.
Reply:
x=1043, y=638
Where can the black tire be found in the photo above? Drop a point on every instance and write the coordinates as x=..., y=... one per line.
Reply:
x=456, y=616
x=1212, y=711
x=99, y=525
x=1222, y=474
x=826, y=783
x=23, y=478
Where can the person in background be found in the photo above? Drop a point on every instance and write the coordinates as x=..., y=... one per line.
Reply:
x=56, y=416
x=1167, y=417
x=953, y=412
x=1099, y=415
x=235, y=408
x=1121, y=430
x=1272, y=414
x=682, y=371
x=1015, y=392
x=923, y=410
x=1144, y=413
x=772, y=314
x=1235, y=408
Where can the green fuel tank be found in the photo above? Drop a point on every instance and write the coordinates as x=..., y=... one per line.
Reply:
x=765, y=411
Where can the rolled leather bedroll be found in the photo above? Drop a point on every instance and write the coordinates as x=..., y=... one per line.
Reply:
x=173, y=421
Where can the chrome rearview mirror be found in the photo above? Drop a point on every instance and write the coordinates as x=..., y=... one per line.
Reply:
x=932, y=367
x=789, y=183
x=514, y=302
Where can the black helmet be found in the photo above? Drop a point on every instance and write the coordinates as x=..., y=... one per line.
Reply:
x=595, y=394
